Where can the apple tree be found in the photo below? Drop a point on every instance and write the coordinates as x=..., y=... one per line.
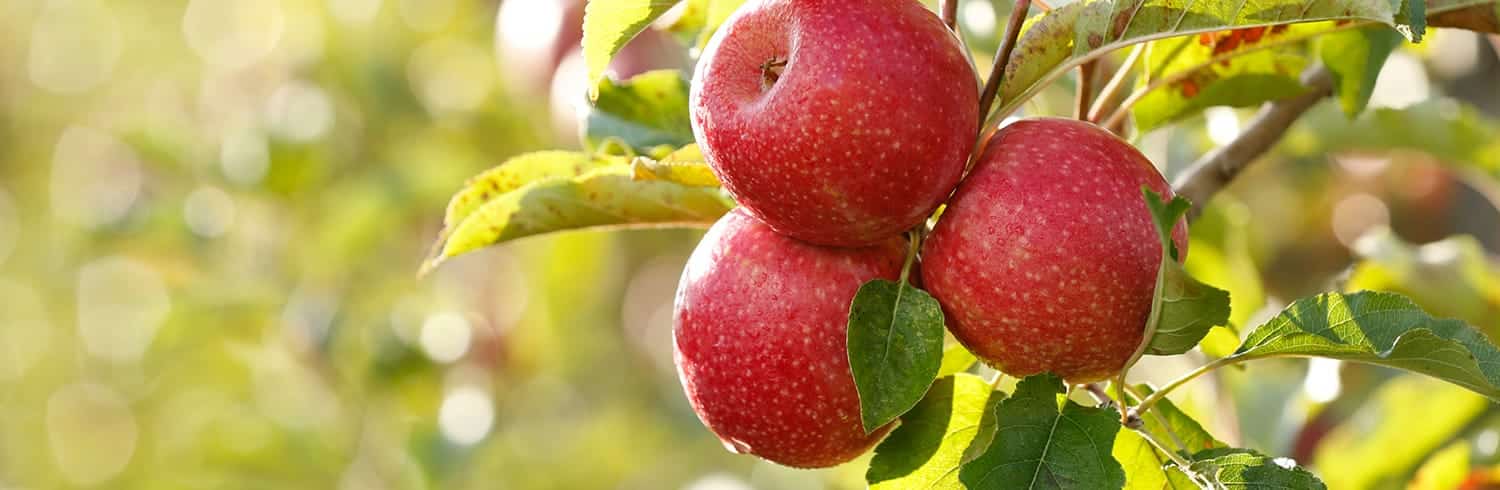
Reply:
x=870, y=196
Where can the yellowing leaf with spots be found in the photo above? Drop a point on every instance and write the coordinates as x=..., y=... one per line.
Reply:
x=555, y=191
x=1067, y=36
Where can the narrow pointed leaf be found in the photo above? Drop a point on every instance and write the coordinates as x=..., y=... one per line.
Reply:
x=1039, y=444
x=895, y=348
x=1355, y=58
x=609, y=24
x=1187, y=308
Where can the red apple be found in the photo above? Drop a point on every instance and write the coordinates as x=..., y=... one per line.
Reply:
x=836, y=122
x=531, y=39
x=1045, y=259
x=759, y=333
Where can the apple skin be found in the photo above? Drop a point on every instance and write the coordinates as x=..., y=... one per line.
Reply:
x=865, y=132
x=759, y=335
x=1045, y=259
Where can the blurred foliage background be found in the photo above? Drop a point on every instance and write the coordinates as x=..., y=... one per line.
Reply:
x=212, y=212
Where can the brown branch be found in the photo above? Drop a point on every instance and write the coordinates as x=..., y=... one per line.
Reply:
x=997, y=73
x=1215, y=170
x=950, y=13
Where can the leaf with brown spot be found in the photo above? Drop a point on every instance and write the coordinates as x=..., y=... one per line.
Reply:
x=556, y=191
x=1053, y=43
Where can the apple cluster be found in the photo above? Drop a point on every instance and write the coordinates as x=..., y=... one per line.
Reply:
x=840, y=125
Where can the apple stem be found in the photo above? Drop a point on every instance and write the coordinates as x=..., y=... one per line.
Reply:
x=1085, y=89
x=770, y=72
x=1215, y=170
x=950, y=14
x=1012, y=31
x=1108, y=96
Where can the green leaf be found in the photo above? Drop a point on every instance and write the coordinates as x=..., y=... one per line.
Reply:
x=1067, y=36
x=1250, y=77
x=956, y=359
x=1445, y=470
x=1230, y=468
x=895, y=348
x=1354, y=58
x=684, y=166
x=1379, y=328
x=1407, y=419
x=1185, y=309
x=555, y=191
x=925, y=451
x=1145, y=467
x=609, y=24
x=649, y=110
x=1412, y=19
x=1039, y=445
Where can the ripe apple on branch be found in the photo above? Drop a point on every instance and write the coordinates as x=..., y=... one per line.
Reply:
x=867, y=198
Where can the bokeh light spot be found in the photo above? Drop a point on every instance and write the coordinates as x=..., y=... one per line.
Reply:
x=450, y=75
x=121, y=303
x=244, y=157
x=300, y=111
x=74, y=46
x=233, y=33
x=92, y=432
x=354, y=12
x=466, y=415
x=95, y=178
x=445, y=336
x=208, y=211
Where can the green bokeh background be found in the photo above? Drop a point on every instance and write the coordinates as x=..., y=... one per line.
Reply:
x=212, y=213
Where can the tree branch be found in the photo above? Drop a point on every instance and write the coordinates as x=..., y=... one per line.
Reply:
x=997, y=73
x=1219, y=167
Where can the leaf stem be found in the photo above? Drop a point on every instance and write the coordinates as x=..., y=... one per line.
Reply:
x=1156, y=396
x=1176, y=458
x=1002, y=59
x=914, y=238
